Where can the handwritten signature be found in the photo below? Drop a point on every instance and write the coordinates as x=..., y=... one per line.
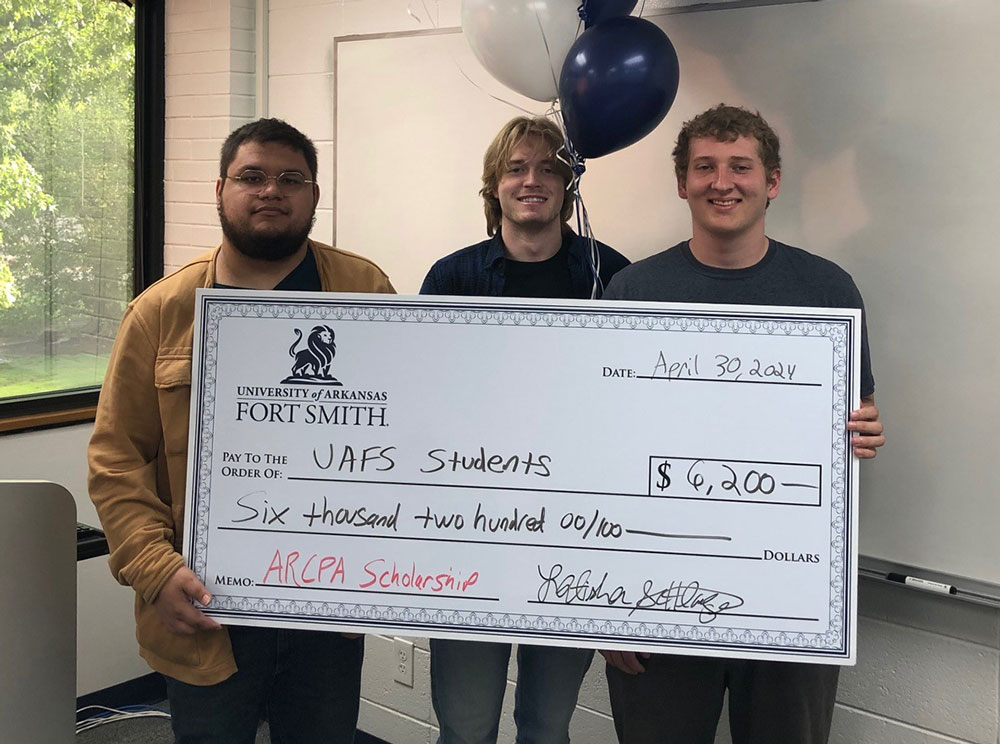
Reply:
x=585, y=588
x=678, y=595
x=578, y=588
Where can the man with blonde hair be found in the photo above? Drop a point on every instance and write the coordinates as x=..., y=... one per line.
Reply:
x=531, y=253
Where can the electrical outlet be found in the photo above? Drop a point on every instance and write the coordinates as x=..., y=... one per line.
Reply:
x=403, y=650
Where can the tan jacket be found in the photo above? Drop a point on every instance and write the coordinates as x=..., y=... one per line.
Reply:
x=138, y=453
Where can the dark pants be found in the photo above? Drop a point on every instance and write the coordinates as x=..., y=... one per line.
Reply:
x=678, y=700
x=307, y=684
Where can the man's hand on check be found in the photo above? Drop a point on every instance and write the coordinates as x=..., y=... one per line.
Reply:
x=174, y=604
x=626, y=661
x=866, y=429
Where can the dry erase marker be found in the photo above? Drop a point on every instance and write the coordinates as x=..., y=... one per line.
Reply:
x=926, y=584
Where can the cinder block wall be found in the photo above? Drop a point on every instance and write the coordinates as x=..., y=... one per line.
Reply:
x=209, y=92
x=928, y=671
x=929, y=667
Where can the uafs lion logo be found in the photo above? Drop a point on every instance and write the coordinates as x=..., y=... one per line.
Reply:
x=311, y=364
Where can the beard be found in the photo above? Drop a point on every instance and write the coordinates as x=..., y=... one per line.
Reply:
x=263, y=245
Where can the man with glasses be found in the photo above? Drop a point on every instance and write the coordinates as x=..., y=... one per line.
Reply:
x=219, y=680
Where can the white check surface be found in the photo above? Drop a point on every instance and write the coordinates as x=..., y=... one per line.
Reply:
x=617, y=475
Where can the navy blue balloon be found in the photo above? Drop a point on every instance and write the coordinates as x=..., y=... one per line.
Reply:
x=600, y=10
x=617, y=83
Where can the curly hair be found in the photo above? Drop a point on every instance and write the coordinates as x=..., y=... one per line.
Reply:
x=725, y=124
x=268, y=130
x=497, y=159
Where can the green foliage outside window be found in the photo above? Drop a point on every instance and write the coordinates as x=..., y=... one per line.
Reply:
x=66, y=189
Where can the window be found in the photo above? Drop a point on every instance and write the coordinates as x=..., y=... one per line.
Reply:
x=68, y=196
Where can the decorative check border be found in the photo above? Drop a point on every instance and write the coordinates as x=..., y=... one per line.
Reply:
x=839, y=330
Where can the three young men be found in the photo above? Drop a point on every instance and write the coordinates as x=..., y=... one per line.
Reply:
x=531, y=253
x=728, y=170
x=218, y=679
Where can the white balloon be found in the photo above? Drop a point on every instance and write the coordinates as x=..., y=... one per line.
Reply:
x=522, y=43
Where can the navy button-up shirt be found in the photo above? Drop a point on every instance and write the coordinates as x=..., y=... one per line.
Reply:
x=478, y=270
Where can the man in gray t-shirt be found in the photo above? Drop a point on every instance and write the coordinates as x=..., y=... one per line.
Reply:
x=728, y=169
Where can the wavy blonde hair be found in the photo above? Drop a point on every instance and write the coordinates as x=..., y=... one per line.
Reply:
x=497, y=160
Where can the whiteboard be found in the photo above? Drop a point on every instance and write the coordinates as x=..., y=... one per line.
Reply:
x=885, y=109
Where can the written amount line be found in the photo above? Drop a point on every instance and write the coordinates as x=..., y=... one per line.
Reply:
x=727, y=538
x=326, y=533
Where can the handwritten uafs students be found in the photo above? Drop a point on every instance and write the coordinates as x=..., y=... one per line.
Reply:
x=218, y=679
x=531, y=253
x=728, y=170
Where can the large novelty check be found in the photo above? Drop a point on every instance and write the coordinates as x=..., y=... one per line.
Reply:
x=617, y=475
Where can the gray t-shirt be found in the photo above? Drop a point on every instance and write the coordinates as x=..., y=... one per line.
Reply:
x=785, y=276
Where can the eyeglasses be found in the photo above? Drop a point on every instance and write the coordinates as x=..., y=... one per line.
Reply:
x=255, y=181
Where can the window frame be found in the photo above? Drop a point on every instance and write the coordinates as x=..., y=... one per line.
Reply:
x=75, y=405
